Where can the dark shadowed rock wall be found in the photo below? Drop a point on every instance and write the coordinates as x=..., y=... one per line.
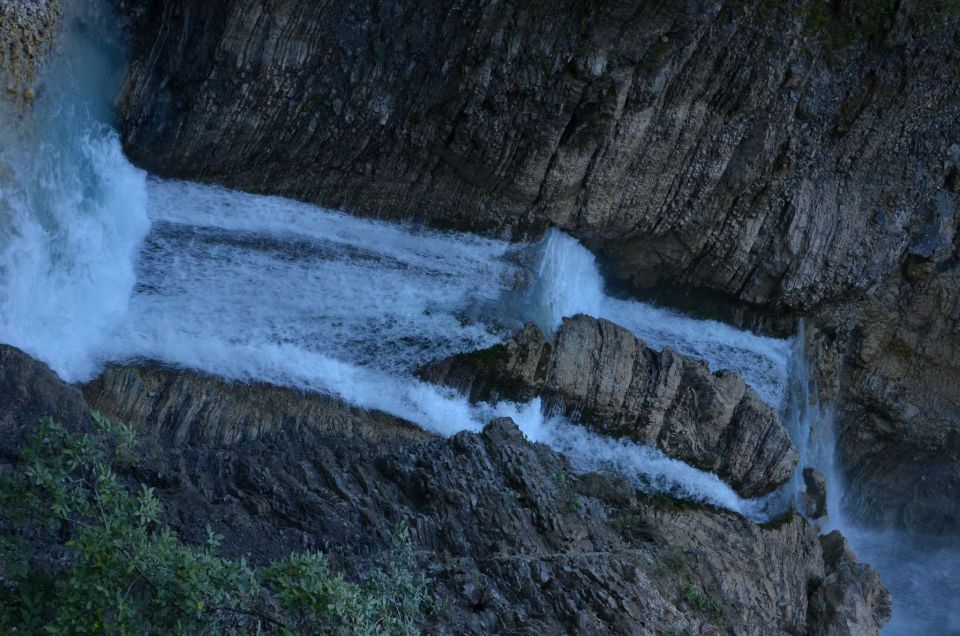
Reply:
x=778, y=153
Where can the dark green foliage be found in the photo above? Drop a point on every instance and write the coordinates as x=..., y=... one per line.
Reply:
x=708, y=606
x=82, y=554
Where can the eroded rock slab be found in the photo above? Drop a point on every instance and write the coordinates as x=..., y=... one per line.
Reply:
x=612, y=382
x=186, y=407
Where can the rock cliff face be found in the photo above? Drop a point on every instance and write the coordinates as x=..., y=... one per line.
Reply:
x=514, y=540
x=779, y=153
x=790, y=158
x=604, y=376
x=892, y=365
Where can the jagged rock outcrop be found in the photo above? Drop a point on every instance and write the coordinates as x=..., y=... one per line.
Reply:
x=192, y=408
x=779, y=154
x=850, y=600
x=611, y=381
x=29, y=390
x=514, y=539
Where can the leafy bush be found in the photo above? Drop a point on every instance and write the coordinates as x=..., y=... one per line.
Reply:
x=82, y=554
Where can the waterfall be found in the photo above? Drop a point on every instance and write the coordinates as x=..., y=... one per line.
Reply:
x=254, y=287
x=99, y=264
x=920, y=572
x=72, y=208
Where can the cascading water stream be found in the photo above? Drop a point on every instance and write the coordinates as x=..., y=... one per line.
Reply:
x=72, y=208
x=99, y=264
x=253, y=287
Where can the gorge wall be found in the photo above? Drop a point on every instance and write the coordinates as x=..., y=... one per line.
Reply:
x=788, y=158
x=778, y=153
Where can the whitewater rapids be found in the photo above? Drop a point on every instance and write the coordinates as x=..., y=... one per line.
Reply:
x=101, y=263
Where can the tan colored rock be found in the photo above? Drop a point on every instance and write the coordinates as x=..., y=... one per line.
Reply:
x=187, y=407
x=612, y=382
x=28, y=28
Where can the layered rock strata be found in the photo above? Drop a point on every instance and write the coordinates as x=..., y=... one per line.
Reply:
x=602, y=375
x=513, y=539
x=778, y=154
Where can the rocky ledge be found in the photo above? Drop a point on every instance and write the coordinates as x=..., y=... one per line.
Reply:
x=514, y=540
x=602, y=375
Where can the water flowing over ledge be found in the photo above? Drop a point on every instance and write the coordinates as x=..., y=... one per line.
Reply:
x=252, y=287
x=98, y=263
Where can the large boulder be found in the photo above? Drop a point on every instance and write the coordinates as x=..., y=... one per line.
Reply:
x=611, y=381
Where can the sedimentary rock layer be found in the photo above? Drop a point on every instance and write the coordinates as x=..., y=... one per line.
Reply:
x=512, y=538
x=602, y=375
x=778, y=153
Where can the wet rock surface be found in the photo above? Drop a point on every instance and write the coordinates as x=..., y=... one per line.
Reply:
x=602, y=375
x=892, y=363
x=515, y=541
x=815, y=493
x=779, y=154
x=850, y=600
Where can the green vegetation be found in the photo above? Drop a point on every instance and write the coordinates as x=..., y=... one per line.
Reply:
x=708, y=606
x=82, y=554
x=571, y=499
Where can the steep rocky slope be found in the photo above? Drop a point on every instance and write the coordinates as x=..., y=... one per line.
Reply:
x=891, y=364
x=602, y=375
x=515, y=541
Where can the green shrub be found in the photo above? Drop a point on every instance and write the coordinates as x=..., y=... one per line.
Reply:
x=82, y=554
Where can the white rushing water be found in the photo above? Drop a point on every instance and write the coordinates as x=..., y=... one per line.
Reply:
x=98, y=263
x=254, y=287
x=72, y=210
